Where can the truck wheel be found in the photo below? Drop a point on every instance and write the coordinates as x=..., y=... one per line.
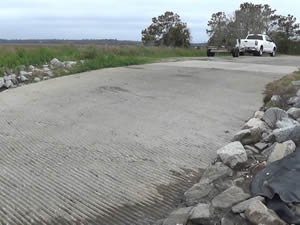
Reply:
x=273, y=54
x=209, y=53
x=261, y=51
x=235, y=52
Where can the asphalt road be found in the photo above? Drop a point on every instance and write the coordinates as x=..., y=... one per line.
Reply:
x=118, y=146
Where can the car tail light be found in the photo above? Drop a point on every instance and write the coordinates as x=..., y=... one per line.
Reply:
x=256, y=43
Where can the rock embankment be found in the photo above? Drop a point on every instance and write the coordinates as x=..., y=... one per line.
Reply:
x=223, y=195
x=24, y=75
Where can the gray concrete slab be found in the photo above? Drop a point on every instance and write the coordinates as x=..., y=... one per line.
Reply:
x=116, y=146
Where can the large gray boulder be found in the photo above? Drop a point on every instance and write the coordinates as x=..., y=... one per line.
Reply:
x=196, y=193
x=70, y=64
x=233, y=154
x=281, y=150
x=259, y=214
x=273, y=115
x=179, y=216
x=230, y=197
x=285, y=134
x=255, y=123
x=199, y=191
x=286, y=122
x=56, y=63
x=201, y=214
x=215, y=172
x=243, y=206
x=294, y=113
x=248, y=136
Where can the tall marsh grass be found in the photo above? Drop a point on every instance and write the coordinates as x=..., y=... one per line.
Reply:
x=95, y=57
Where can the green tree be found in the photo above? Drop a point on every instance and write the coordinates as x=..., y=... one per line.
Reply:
x=250, y=18
x=288, y=25
x=217, y=31
x=168, y=30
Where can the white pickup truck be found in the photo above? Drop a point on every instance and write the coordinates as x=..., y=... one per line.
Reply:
x=258, y=44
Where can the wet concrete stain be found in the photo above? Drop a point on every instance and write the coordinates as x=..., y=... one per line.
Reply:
x=142, y=213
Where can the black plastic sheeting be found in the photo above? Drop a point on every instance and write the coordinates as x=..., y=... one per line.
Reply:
x=279, y=182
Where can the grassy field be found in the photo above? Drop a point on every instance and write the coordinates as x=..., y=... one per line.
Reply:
x=95, y=57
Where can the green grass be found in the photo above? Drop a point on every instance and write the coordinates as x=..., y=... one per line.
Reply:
x=96, y=57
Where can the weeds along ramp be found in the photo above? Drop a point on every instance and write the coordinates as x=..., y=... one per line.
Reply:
x=116, y=146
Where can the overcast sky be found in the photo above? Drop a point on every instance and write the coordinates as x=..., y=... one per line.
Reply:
x=116, y=19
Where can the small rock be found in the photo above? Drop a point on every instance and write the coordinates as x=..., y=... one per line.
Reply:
x=226, y=221
x=24, y=73
x=37, y=79
x=298, y=93
x=259, y=115
x=230, y=197
x=275, y=99
x=281, y=150
x=215, y=172
x=261, y=146
x=249, y=153
x=267, y=152
x=8, y=84
x=286, y=122
x=180, y=216
x=259, y=214
x=273, y=115
x=46, y=78
x=248, y=136
x=294, y=113
x=70, y=64
x=201, y=214
x=31, y=68
x=252, y=149
x=2, y=82
x=233, y=154
x=23, y=78
x=243, y=206
x=293, y=100
x=196, y=193
x=255, y=123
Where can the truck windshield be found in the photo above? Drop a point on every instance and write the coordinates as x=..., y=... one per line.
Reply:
x=255, y=37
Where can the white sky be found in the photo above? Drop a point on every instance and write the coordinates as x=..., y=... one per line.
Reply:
x=116, y=19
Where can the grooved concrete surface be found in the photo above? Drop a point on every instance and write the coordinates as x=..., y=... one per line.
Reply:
x=116, y=146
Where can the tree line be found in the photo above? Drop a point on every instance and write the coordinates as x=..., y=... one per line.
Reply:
x=254, y=19
x=224, y=29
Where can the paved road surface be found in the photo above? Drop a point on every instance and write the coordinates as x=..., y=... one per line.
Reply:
x=118, y=146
